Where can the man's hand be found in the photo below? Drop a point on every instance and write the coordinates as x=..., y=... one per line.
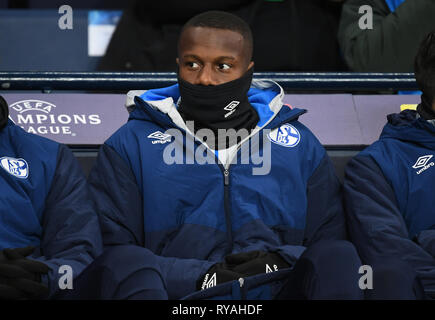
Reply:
x=217, y=274
x=255, y=262
x=20, y=278
x=240, y=265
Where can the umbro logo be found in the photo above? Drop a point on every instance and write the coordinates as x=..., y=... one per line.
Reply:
x=231, y=107
x=159, y=137
x=423, y=163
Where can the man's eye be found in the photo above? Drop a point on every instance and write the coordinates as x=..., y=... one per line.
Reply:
x=224, y=66
x=193, y=65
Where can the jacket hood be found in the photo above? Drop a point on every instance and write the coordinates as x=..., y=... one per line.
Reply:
x=409, y=126
x=161, y=104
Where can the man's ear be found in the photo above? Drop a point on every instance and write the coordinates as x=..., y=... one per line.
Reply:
x=251, y=64
x=177, y=61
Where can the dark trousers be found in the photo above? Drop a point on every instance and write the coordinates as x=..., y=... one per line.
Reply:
x=326, y=270
x=330, y=270
x=394, y=279
x=120, y=273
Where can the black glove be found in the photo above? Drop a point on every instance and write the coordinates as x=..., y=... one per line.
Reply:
x=20, y=278
x=240, y=265
x=217, y=274
x=255, y=262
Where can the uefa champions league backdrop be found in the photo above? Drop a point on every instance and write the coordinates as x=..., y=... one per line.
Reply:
x=89, y=119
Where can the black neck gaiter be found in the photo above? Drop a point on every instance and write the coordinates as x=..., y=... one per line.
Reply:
x=4, y=113
x=223, y=106
x=425, y=110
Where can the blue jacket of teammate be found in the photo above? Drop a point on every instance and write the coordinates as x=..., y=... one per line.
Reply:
x=192, y=215
x=389, y=195
x=44, y=202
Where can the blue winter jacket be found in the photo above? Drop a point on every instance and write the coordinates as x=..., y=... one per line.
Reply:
x=389, y=195
x=193, y=215
x=44, y=202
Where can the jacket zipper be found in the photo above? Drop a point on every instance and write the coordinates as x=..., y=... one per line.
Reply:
x=226, y=174
x=227, y=207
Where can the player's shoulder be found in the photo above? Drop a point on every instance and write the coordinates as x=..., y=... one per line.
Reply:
x=30, y=142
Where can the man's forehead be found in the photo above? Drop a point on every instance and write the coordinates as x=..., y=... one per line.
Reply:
x=221, y=41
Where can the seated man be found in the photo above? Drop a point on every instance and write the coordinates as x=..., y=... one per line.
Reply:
x=47, y=219
x=389, y=187
x=181, y=181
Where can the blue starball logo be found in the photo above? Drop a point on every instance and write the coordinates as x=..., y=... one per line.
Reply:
x=286, y=136
x=16, y=167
